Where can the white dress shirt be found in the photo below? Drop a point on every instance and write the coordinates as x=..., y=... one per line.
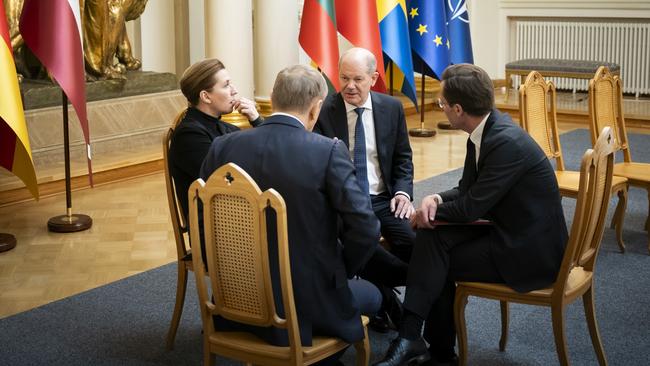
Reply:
x=476, y=136
x=375, y=182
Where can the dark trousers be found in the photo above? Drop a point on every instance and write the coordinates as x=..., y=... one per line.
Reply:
x=396, y=231
x=440, y=257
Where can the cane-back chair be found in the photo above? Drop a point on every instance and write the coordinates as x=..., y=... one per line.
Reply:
x=576, y=274
x=606, y=109
x=538, y=115
x=235, y=228
x=179, y=224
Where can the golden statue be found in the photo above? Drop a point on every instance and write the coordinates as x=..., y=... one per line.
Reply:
x=13, y=9
x=105, y=37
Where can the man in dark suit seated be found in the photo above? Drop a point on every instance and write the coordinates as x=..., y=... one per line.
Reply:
x=316, y=178
x=373, y=127
x=506, y=179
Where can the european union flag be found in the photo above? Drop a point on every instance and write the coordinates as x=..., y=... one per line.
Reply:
x=460, y=50
x=429, y=39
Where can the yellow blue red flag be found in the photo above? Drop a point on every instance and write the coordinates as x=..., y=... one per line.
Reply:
x=395, y=44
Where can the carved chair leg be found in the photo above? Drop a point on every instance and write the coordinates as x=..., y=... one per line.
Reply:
x=504, y=326
x=181, y=287
x=590, y=313
x=557, y=314
x=619, y=216
x=461, y=329
x=363, y=349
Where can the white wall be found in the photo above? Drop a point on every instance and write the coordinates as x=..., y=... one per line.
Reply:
x=157, y=30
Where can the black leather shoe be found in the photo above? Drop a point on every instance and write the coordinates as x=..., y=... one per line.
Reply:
x=380, y=322
x=405, y=352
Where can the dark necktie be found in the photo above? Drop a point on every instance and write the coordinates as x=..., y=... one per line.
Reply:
x=470, y=163
x=359, y=155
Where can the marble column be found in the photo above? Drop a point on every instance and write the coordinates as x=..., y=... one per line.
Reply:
x=229, y=37
x=276, y=45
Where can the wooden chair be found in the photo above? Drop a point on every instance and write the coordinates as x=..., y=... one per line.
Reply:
x=606, y=109
x=538, y=116
x=576, y=274
x=179, y=223
x=234, y=221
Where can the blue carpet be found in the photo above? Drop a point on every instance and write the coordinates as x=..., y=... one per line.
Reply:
x=125, y=322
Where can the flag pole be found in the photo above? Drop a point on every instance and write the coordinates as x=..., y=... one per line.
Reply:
x=390, y=79
x=421, y=131
x=69, y=222
x=7, y=242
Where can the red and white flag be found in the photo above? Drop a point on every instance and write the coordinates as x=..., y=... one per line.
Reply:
x=52, y=31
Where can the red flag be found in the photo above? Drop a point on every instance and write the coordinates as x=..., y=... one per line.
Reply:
x=15, y=152
x=357, y=21
x=318, y=37
x=52, y=30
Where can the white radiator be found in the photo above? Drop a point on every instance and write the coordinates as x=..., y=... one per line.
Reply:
x=625, y=43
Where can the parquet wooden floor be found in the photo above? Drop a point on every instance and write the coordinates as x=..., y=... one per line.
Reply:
x=131, y=230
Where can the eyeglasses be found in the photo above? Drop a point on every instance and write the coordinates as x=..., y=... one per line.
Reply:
x=441, y=104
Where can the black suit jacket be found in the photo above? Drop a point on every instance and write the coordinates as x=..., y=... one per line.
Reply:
x=516, y=188
x=189, y=145
x=315, y=177
x=393, y=148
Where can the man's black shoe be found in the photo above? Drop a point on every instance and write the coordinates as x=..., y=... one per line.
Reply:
x=405, y=352
x=380, y=322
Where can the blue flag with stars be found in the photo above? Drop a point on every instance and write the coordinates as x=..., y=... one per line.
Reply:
x=429, y=39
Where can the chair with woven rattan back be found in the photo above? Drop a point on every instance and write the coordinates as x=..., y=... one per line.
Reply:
x=538, y=116
x=238, y=270
x=179, y=224
x=606, y=109
x=576, y=274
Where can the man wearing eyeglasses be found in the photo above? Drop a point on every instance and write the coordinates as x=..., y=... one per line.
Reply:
x=507, y=180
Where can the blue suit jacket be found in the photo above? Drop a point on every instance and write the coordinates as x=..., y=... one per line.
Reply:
x=315, y=177
x=516, y=188
x=393, y=148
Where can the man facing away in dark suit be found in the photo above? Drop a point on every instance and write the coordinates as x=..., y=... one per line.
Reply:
x=373, y=127
x=316, y=178
x=508, y=180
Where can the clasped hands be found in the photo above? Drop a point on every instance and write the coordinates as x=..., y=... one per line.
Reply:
x=246, y=107
x=424, y=216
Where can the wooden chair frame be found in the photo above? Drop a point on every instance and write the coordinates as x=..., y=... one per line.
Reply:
x=179, y=224
x=606, y=109
x=575, y=277
x=538, y=116
x=235, y=229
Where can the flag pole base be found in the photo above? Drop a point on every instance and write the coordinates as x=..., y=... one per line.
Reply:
x=69, y=223
x=445, y=125
x=422, y=132
x=7, y=242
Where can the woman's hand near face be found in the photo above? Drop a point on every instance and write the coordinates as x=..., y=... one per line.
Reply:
x=246, y=107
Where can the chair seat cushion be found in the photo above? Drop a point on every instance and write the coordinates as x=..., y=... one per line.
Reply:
x=560, y=65
x=248, y=343
x=568, y=181
x=579, y=279
x=639, y=173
